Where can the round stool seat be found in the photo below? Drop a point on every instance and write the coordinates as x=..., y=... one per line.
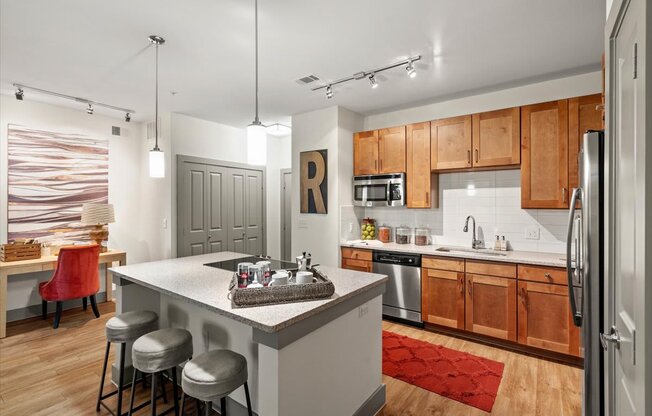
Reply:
x=161, y=350
x=129, y=326
x=214, y=374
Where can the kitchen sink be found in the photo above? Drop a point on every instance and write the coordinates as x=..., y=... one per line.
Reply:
x=483, y=251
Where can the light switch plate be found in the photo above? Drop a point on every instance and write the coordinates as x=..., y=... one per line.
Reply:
x=532, y=233
x=302, y=223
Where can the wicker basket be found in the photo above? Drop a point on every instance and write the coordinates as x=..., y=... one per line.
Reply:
x=19, y=251
x=269, y=295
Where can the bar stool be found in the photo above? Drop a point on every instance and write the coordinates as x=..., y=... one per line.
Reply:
x=121, y=329
x=214, y=375
x=157, y=352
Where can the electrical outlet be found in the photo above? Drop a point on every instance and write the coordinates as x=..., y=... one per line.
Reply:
x=165, y=223
x=532, y=233
x=350, y=227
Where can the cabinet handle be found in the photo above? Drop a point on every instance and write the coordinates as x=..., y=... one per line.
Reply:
x=470, y=286
x=548, y=275
x=462, y=285
x=524, y=297
x=476, y=155
x=381, y=164
x=468, y=157
x=427, y=197
x=564, y=191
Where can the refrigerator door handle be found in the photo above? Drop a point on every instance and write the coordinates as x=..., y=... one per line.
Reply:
x=577, y=315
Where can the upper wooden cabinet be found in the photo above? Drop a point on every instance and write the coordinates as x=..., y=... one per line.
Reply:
x=391, y=150
x=418, y=176
x=450, y=146
x=584, y=113
x=497, y=138
x=365, y=153
x=544, y=151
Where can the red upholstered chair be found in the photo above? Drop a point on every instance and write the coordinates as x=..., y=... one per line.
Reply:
x=76, y=276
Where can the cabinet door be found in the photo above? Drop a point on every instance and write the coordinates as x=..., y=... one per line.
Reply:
x=365, y=153
x=584, y=113
x=544, y=151
x=391, y=150
x=497, y=138
x=491, y=306
x=450, y=143
x=544, y=318
x=359, y=265
x=442, y=300
x=418, y=166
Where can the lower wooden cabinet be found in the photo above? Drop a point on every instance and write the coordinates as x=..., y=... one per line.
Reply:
x=544, y=318
x=442, y=297
x=357, y=259
x=491, y=306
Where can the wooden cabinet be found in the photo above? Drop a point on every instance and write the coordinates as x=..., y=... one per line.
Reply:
x=391, y=150
x=491, y=306
x=544, y=318
x=544, y=152
x=357, y=259
x=365, y=153
x=420, y=190
x=442, y=291
x=497, y=138
x=584, y=113
x=450, y=146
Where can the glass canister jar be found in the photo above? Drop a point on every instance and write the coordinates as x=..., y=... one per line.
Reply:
x=368, y=229
x=403, y=235
x=385, y=233
x=422, y=236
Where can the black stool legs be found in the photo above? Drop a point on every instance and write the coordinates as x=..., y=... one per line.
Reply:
x=121, y=376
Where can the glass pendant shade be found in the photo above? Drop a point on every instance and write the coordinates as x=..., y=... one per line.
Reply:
x=156, y=163
x=256, y=144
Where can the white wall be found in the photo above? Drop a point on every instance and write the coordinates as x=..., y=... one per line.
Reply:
x=279, y=156
x=128, y=232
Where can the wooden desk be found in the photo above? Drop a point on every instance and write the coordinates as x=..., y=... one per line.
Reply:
x=49, y=263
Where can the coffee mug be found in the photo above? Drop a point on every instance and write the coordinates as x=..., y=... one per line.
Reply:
x=304, y=277
x=279, y=279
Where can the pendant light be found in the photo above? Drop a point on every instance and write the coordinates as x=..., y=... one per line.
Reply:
x=156, y=155
x=256, y=132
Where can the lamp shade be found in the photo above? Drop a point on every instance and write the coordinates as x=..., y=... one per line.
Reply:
x=93, y=214
x=256, y=144
x=156, y=164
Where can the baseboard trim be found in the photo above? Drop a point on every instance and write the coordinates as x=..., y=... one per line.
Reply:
x=374, y=403
x=33, y=311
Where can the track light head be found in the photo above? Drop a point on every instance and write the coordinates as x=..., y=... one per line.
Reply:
x=410, y=70
x=329, y=92
x=127, y=117
x=89, y=109
x=372, y=81
x=19, y=94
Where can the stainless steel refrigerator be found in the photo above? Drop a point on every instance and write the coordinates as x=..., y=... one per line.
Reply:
x=584, y=257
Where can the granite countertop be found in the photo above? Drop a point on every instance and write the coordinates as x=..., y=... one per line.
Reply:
x=526, y=257
x=187, y=278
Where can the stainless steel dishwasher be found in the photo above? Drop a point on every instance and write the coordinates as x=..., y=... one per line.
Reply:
x=403, y=296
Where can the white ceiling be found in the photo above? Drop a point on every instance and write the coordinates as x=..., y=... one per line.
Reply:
x=99, y=50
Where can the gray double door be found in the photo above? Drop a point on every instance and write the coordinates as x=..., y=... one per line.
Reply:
x=219, y=208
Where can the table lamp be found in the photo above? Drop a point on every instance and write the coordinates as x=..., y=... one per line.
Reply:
x=98, y=215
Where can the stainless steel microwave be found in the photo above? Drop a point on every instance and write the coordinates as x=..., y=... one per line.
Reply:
x=379, y=190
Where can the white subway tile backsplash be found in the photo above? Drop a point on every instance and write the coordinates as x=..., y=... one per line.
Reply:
x=493, y=198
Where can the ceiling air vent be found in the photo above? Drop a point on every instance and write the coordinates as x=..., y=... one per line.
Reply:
x=115, y=130
x=308, y=79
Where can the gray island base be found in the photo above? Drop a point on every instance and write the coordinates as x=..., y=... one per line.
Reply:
x=321, y=357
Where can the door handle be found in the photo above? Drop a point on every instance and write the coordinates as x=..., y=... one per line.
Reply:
x=613, y=337
x=577, y=315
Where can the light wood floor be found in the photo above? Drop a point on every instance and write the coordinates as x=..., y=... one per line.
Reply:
x=48, y=372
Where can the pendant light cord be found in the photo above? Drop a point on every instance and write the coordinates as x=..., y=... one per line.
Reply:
x=257, y=120
x=156, y=104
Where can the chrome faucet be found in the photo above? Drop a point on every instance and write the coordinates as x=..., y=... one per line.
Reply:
x=475, y=243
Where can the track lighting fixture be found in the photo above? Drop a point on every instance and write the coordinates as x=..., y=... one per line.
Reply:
x=410, y=70
x=20, y=92
x=127, y=117
x=407, y=63
x=372, y=81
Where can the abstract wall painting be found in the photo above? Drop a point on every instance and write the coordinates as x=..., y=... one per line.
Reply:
x=314, y=181
x=50, y=176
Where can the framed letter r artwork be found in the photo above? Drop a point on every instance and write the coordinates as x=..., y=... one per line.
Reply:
x=314, y=182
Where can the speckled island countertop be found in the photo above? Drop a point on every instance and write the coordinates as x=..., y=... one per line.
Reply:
x=524, y=257
x=187, y=278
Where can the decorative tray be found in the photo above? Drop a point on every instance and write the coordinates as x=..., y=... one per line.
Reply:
x=269, y=295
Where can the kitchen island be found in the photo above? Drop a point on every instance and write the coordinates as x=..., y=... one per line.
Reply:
x=319, y=357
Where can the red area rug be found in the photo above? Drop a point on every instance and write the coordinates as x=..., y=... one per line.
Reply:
x=457, y=375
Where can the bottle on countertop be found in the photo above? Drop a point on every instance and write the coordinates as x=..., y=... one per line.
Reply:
x=503, y=244
x=497, y=243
